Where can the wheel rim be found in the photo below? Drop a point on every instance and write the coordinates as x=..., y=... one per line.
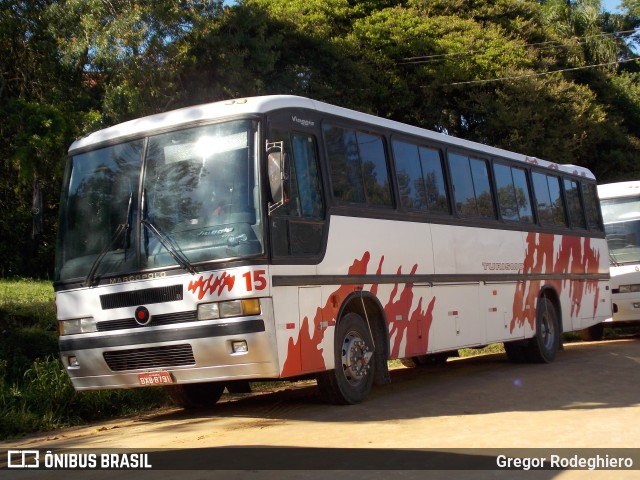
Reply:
x=355, y=358
x=547, y=332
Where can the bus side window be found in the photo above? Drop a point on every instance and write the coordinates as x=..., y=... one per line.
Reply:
x=548, y=199
x=411, y=185
x=576, y=213
x=420, y=177
x=513, y=193
x=297, y=226
x=592, y=210
x=471, y=187
x=434, y=184
x=358, y=165
x=305, y=197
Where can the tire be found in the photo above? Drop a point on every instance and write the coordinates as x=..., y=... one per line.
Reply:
x=594, y=333
x=191, y=396
x=351, y=380
x=542, y=348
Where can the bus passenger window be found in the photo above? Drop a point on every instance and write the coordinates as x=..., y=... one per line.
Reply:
x=513, y=194
x=576, y=213
x=358, y=164
x=420, y=178
x=434, y=185
x=471, y=187
x=590, y=196
x=548, y=199
x=411, y=185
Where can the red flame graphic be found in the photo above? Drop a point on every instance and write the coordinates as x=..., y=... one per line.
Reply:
x=213, y=284
x=305, y=354
x=574, y=256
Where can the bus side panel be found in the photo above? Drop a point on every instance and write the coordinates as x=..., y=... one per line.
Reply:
x=476, y=312
x=357, y=247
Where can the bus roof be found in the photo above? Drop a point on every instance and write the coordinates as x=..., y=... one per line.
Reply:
x=258, y=105
x=619, y=189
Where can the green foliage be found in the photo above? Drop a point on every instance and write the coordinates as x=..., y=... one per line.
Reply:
x=35, y=391
x=478, y=70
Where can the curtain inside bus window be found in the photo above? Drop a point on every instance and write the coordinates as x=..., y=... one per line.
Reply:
x=297, y=227
x=307, y=176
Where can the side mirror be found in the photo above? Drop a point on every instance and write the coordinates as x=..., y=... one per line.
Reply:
x=277, y=171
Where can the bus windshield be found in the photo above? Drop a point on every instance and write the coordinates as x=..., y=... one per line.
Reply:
x=622, y=226
x=198, y=202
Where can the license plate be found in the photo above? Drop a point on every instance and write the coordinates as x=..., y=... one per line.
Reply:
x=155, y=378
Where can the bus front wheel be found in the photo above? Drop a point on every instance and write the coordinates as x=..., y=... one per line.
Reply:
x=351, y=380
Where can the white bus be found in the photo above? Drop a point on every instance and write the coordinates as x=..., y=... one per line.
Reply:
x=620, y=203
x=279, y=237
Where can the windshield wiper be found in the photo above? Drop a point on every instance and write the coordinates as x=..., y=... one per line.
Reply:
x=120, y=231
x=167, y=243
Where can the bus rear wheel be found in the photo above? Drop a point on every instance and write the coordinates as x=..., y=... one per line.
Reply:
x=351, y=380
x=545, y=343
x=192, y=396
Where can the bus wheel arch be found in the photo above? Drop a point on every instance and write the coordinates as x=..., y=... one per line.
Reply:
x=369, y=307
x=360, y=351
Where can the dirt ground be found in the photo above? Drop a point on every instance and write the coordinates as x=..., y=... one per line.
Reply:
x=589, y=398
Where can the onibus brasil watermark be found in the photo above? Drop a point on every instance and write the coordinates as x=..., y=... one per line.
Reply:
x=72, y=460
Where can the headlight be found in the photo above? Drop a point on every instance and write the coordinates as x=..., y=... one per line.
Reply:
x=77, y=325
x=629, y=288
x=208, y=311
x=233, y=308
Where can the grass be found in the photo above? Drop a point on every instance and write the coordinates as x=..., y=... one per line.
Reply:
x=35, y=391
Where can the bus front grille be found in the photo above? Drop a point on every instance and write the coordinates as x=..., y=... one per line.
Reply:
x=154, y=357
x=156, y=321
x=172, y=293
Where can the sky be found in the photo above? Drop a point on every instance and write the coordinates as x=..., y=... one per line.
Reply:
x=610, y=5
